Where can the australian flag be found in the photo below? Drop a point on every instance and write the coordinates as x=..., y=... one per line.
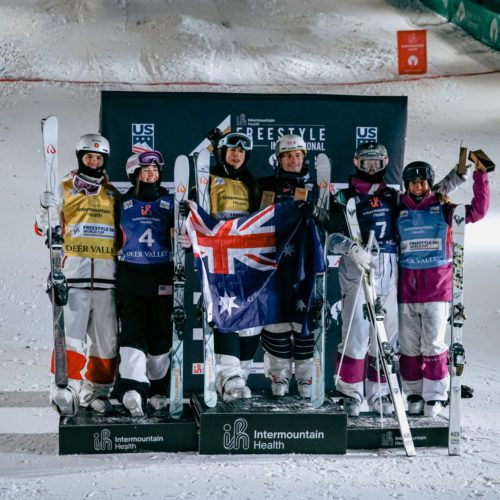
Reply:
x=259, y=269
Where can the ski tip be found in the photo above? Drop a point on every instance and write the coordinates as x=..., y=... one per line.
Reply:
x=50, y=118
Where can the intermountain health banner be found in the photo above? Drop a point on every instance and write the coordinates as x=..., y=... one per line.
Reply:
x=177, y=123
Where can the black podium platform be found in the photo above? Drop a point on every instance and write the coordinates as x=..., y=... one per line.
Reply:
x=260, y=425
x=368, y=431
x=264, y=424
x=90, y=432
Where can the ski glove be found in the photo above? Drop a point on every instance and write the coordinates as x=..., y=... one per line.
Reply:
x=214, y=136
x=361, y=257
x=48, y=200
x=184, y=240
x=184, y=209
x=309, y=209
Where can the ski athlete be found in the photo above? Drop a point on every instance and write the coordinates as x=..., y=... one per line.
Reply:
x=233, y=193
x=86, y=202
x=425, y=283
x=144, y=286
x=376, y=209
x=283, y=343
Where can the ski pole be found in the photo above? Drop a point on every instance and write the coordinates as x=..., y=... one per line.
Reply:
x=349, y=325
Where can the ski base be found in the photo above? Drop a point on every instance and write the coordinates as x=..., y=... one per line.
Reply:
x=323, y=173
x=457, y=319
x=181, y=183
x=202, y=174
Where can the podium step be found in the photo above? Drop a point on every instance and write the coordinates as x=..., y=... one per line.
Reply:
x=368, y=432
x=93, y=433
x=270, y=425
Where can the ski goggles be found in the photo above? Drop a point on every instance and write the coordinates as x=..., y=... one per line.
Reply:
x=81, y=184
x=236, y=140
x=371, y=164
x=145, y=159
x=424, y=173
x=149, y=157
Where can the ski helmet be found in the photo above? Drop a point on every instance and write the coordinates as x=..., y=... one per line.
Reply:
x=371, y=151
x=290, y=142
x=139, y=160
x=234, y=140
x=93, y=143
x=420, y=169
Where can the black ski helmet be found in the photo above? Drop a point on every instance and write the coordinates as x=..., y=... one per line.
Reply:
x=233, y=140
x=420, y=169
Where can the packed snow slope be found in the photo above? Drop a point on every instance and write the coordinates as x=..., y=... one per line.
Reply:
x=57, y=56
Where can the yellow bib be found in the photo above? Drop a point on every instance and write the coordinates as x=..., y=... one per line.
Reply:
x=229, y=198
x=89, y=222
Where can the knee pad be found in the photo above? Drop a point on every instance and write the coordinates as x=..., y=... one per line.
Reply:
x=303, y=347
x=278, y=344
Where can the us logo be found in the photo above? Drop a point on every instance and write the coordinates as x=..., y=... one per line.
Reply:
x=366, y=134
x=143, y=137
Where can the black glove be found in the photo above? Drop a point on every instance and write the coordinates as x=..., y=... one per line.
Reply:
x=214, y=136
x=309, y=209
x=57, y=237
x=184, y=209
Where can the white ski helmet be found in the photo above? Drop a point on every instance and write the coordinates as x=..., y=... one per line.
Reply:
x=132, y=166
x=93, y=143
x=144, y=159
x=290, y=142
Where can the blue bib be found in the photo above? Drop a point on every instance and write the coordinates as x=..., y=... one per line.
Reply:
x=146, y=228
x=376, y=212
x=424, y=235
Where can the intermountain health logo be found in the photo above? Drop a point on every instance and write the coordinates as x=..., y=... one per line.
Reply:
x=235, y=437
x=102, y=440
x=494, y=30
x=461, y=12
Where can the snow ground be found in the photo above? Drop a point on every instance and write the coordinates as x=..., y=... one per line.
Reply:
x=253, y=46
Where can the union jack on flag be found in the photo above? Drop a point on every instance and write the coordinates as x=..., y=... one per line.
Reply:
x=251, y=268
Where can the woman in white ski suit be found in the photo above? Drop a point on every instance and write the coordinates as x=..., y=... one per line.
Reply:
x=85, y=210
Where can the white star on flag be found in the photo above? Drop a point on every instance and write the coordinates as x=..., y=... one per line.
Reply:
x=227, y=304
x=288, y=250
x=301, y=306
